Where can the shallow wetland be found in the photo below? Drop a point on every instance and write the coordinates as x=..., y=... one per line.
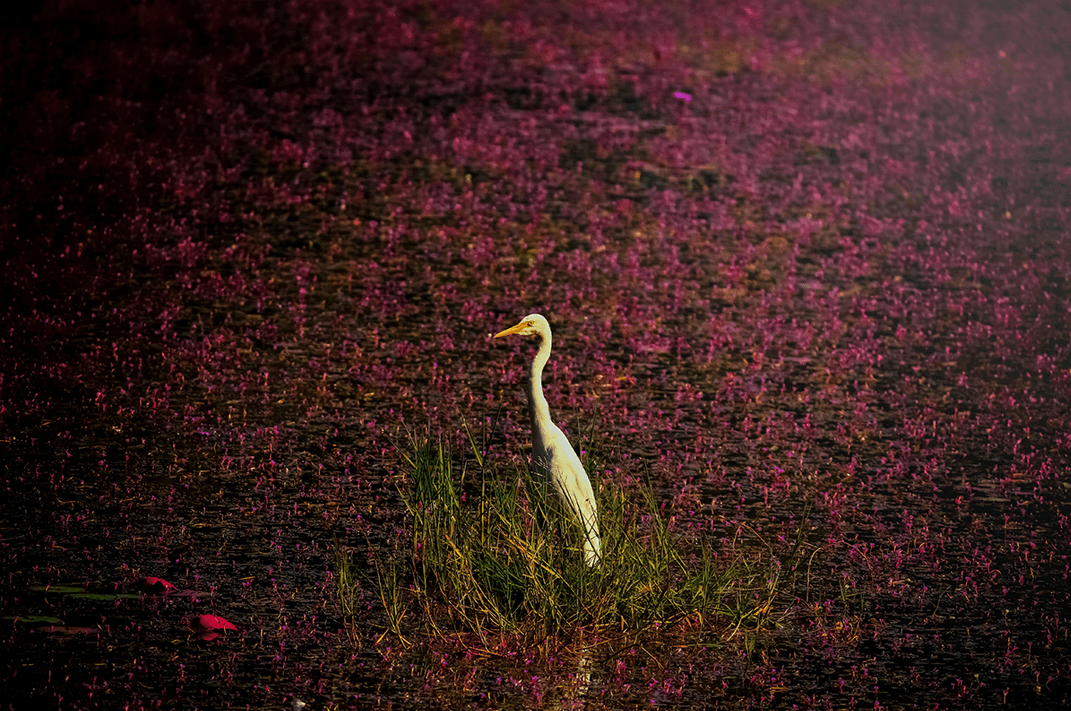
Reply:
x=807, y=266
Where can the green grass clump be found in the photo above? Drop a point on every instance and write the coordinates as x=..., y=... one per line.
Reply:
x=497, y=554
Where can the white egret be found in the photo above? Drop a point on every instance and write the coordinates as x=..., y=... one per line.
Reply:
x=552, y=455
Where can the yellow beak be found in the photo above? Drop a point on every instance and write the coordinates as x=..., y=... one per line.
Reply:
x=511, y=330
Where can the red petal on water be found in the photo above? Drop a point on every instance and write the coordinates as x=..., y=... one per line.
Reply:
x=208, y=627
x=156, y=586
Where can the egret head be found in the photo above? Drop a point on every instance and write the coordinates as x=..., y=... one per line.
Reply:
x=530, y=325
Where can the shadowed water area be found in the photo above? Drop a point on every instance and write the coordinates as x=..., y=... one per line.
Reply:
x=807, y=269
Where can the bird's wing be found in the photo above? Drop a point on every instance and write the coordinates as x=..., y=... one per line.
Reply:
x=571, y=480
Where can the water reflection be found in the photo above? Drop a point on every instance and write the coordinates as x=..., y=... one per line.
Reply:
x=571, y=693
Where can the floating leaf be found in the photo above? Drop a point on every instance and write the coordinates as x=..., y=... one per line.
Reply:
x=60, y=629
x=33, y=619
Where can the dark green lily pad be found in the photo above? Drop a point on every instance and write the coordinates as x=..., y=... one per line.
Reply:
x=81, y=593
x=61, y=589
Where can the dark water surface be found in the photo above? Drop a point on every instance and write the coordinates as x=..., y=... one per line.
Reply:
x=807, y=266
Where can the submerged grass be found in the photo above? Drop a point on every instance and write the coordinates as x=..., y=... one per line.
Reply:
x=495, y=554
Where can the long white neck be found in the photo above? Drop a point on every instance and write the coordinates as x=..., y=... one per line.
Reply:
x=538, y=409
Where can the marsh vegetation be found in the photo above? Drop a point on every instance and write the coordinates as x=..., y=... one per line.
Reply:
x=809, y=266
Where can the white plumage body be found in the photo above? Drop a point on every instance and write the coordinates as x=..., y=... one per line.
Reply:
x=552, y=455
